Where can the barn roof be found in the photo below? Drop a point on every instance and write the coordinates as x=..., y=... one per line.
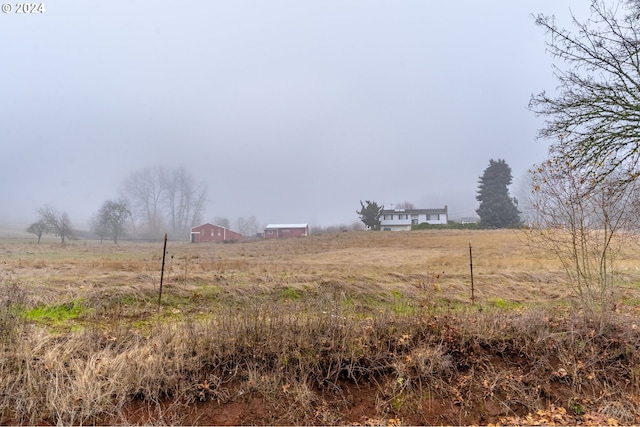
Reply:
x=214, y=225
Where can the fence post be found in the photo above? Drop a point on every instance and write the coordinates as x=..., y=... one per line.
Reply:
x=473, y=300
x=164, y=253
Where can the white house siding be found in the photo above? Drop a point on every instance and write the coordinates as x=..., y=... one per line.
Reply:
x=395, y=227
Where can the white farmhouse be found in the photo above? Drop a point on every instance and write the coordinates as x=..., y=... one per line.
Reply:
x=403, y=219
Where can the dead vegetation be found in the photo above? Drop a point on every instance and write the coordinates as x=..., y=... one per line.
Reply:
x=356, y=328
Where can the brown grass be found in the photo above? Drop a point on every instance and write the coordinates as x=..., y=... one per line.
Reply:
x=504, y=267
x=356, y=327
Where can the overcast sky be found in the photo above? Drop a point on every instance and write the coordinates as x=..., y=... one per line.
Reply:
x=292, y=111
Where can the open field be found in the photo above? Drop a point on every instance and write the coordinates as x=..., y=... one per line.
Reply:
x=504, y=267
x=355, y=327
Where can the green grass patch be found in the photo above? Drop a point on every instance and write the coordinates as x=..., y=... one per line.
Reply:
x=291, y=294
x=55, y=314
x=348, y=301
x=130, y=299
x=374, y=300
x=401, y=305
x=208, y=291
x=631, y=302
x=170, y=300
x=504, y=304
x=395, y=302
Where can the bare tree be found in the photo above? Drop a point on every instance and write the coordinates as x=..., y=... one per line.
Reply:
x=55, y=222
x=248, y=227
x=405, y=205
x=222, y=221
x=160, y=196
x=594, y=121
x=99, y=227
x=527, y=199
x=143, y=190
x=111, y=219
x=585, y=227
x=586, y=193
x=183, y=199
x=38, y=228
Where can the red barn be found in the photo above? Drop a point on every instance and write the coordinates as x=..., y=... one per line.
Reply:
x=213, y=233
x=281, y=231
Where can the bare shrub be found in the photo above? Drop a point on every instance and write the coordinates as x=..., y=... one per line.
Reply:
x=300, y=358
x=585, y=223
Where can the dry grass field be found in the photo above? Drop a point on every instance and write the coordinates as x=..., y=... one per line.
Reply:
x=351, y=328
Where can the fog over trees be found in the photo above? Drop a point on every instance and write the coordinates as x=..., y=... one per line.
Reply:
x=38, y=228
x=111, y=220
x=247, y=226
x=163, y=198
x=222, y=221
x=382, y=105
x=51, y=221
x=152, y=201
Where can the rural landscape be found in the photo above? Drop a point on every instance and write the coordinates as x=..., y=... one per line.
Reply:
x=125, y=299
x=358, y=328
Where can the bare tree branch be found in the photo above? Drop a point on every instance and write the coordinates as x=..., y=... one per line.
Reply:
x=594, y=121
x=56, y=222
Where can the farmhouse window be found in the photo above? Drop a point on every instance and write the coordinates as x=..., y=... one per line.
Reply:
x=212, y=233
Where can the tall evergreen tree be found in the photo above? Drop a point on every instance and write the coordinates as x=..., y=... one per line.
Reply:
x=497, y=209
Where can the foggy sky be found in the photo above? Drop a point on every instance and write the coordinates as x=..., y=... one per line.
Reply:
x=292, y=111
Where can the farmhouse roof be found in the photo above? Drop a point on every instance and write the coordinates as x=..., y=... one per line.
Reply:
x=416, y=211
